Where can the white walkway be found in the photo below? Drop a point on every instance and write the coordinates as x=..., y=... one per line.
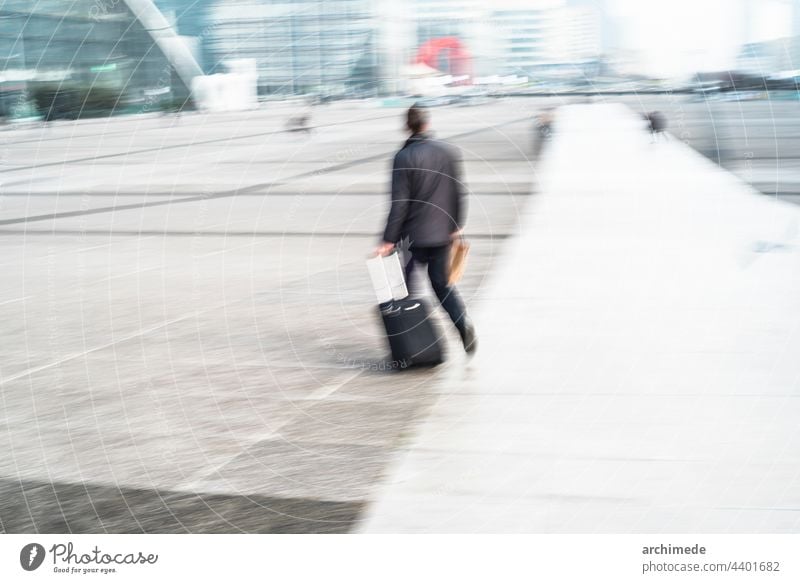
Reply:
x=639, y=366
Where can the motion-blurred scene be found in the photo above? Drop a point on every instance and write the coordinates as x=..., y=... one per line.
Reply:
x=190, y=340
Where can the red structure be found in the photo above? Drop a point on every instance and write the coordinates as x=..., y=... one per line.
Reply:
x=446, y=54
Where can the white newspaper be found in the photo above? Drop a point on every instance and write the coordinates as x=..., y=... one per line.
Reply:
x=387, y=277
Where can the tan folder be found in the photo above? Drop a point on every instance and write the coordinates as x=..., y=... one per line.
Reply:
x=458, y=260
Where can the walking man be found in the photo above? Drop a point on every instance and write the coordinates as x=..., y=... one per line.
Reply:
x=428, y=209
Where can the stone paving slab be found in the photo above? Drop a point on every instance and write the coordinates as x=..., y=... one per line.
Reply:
x=284, y=469
x=52, y=507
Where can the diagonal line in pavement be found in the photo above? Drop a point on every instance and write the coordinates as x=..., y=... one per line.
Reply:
x=235, y=192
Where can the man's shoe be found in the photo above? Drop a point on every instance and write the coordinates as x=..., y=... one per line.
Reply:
x=469, y=338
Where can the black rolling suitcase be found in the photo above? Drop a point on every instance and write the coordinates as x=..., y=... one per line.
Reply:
x=413, y=337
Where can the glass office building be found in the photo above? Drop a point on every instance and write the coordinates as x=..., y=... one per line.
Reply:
x=80, y=43
x=306, y=46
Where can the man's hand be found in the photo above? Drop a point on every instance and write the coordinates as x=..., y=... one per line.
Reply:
x=383, y=249
x=456, y=234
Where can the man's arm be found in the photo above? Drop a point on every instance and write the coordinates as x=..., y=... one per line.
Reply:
x=401, y=196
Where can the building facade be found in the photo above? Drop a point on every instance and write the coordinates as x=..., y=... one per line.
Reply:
x=524, y=39
x=550, y=41
x=85, y=43
x=310, y=46
x=334, y=47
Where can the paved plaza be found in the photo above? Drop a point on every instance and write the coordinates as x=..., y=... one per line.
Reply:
x=190, y=342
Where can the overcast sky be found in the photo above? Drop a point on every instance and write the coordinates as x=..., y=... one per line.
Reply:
x=677, y=37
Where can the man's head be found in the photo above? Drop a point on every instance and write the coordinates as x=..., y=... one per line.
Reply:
x=417, y=119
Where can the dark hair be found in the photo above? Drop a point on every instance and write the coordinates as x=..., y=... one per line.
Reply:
x=417, y=118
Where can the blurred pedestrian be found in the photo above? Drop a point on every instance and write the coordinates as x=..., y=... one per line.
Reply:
x=657, y=124
x=543, y=129
x=428, y=211
x=300, y=122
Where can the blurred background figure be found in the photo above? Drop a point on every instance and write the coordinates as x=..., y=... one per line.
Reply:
x=300, y=122
x=656, y=125
x=543, y=129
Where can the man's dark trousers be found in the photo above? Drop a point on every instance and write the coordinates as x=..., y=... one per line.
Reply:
x=438, y=260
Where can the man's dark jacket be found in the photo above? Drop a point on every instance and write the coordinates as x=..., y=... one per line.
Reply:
x=427, y=205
